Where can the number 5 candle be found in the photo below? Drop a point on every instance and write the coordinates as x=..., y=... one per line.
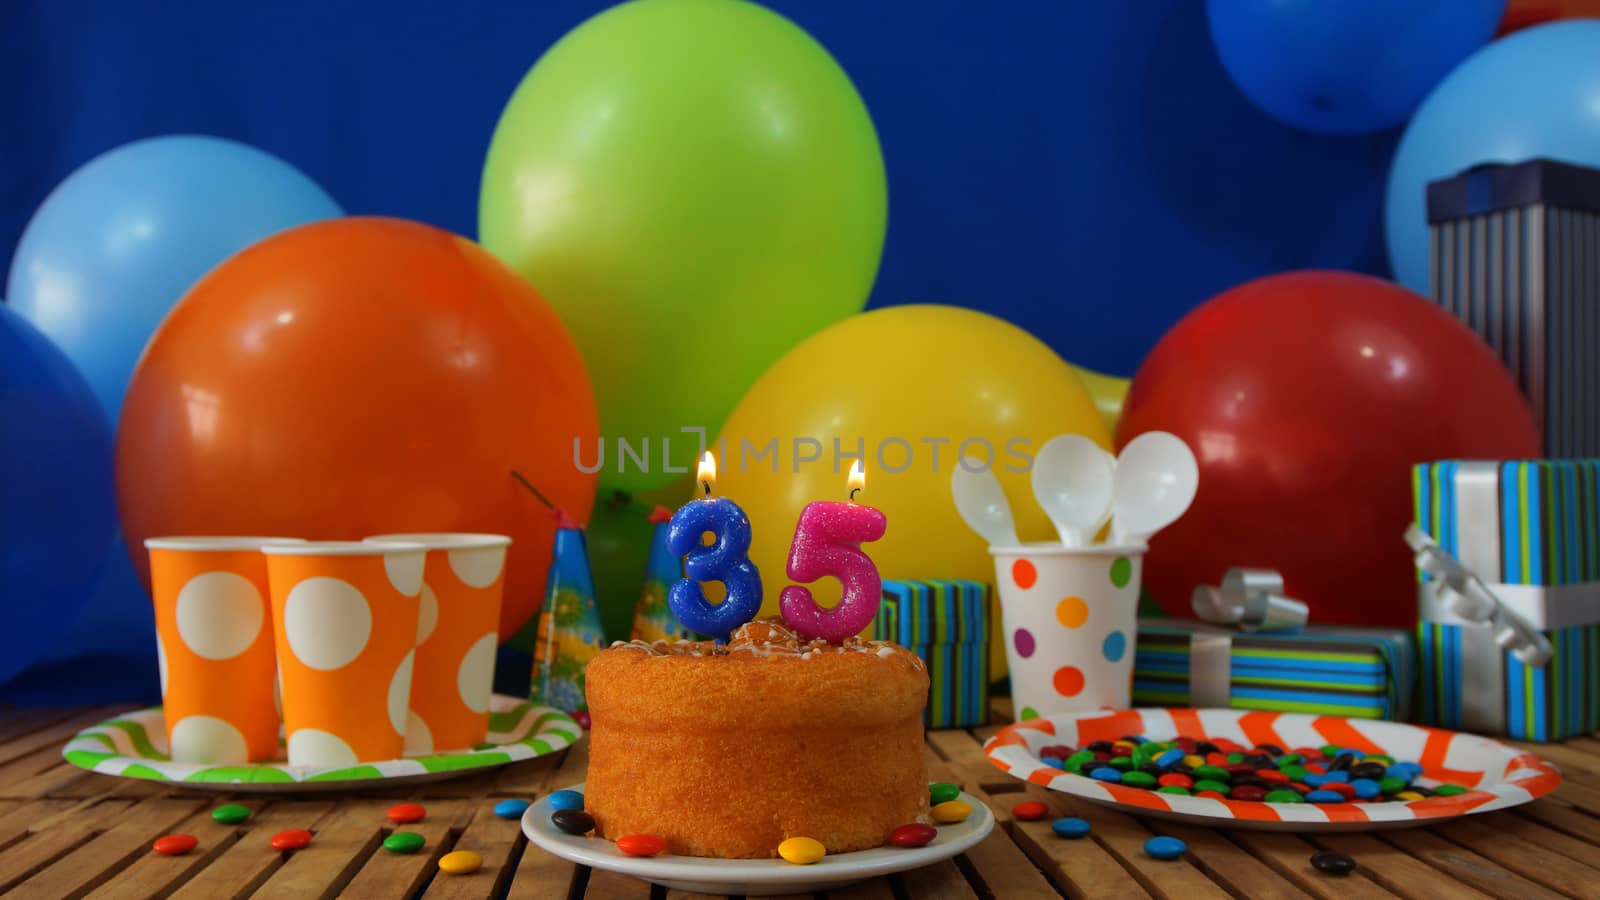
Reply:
x=827, y=541
x=726, y=560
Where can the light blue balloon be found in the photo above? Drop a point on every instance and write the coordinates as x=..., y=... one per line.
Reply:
x=117, y=243
x=1533, y=94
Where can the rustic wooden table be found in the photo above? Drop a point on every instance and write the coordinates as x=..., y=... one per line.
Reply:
x=68, y=833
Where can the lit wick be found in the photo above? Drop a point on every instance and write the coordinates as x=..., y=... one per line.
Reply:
x=858, y=480
x=707, y=475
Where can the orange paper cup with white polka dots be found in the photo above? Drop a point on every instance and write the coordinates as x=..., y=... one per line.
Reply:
x=457, y=635
x=1070, y=616
x=214, y=643
x=344, y=615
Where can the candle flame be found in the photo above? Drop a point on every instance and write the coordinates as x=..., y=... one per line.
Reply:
x=858, y=479
x=707, y=476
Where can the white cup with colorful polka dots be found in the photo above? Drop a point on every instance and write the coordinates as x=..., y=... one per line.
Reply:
x=1070, y=616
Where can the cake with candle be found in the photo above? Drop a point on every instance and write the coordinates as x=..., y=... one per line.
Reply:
x=728, y=751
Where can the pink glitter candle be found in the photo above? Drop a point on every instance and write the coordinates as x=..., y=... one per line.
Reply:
x=827, y=541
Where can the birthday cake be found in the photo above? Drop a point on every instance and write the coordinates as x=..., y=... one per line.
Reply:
x=729, y=751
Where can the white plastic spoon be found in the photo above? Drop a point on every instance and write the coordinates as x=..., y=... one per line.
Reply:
x=982, y=503
x=1155, y=481
x=1072, y=481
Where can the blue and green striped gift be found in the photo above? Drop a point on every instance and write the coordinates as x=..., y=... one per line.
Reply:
x=946, y=623
x=1531, y=529
x=1354, y=672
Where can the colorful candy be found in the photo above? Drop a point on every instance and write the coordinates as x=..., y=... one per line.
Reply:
x=566, y=800
x=1222, y=769
x=803, y=851
x=943, y=791
x=1331, y=863
x=640, y=845
x=511, y=809
x=460, y=862
x=1165, y=848
x=1033, y=810
x=914, y=835
x=231, y=813
x=175, y=844
x=291, y=839
x=572, y=821
x=950, y=812
x=404, y=842
x=407, y=813
x=1070, y=827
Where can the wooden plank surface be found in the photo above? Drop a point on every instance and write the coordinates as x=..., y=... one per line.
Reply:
x=69, y=833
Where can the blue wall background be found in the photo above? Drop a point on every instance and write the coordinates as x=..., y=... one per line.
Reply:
x=1085, y=170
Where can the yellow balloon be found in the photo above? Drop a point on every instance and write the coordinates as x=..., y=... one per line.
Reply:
x=1108, y=392
x=908, y=388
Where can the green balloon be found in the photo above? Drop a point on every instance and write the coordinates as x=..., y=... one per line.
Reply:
x=695, y=186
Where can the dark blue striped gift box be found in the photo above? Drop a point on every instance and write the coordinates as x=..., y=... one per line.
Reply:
x=946, y=623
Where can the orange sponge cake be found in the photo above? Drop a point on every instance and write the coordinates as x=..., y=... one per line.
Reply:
x=728, y=752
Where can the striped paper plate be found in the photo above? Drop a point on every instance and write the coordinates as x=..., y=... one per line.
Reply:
x=134, y=745
x=1499, y=776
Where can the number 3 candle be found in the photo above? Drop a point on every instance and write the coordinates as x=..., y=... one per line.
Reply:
x=827, y=541
x=726, y=560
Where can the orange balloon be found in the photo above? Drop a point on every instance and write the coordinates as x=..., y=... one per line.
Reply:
x=355, y=377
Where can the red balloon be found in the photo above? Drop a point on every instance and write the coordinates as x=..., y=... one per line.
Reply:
x=354, y=377
x=1307, y=397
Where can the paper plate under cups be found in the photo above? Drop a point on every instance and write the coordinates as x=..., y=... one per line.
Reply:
x=133, y=745
x=1498, y=776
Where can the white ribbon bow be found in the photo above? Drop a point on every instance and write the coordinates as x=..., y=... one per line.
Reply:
x=1250, y=600
x=1460, y=590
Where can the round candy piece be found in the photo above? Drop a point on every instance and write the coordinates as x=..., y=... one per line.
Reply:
x=1332, y=863
x=1121, y=763
x=460, y=862
x=1070, y=827
x=1215, y=773
x=1365, y=788
x=641, y=845
x=175, y=844
x=1206, y=784
x=407, y=813
x=566, y=800
x=1408, y=795
x=1325, y=797
x=1449, y=790
x=1075, y=761
x=572, y=821
x=1165, y=847
x=511, y=809
x=1106, y=773
x=290, y=839
x=231, y=813
x=1284, y=796
x=914, y=835
x=1173, y=789
x=1249, y=792
x=1272, y=775
x=404, y=842
x=1033, y=810
x=803, y=851
x=1210, y=795
x=1053, y=762
x=1170, y=757
x=1391, y=785
x=949, y=812
x=1175, y=779
x=943, y=791
x=1139, y=779
x=582, y=718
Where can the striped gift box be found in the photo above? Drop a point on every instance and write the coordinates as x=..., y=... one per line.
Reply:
x=1516, y=256
x=1531, y=529
x=946, y=623
x=1353, y=672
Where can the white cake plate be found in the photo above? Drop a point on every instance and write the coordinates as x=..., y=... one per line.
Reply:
x=754, y=877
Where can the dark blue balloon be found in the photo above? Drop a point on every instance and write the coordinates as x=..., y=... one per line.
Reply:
x=57, y=507
x=1346, y=66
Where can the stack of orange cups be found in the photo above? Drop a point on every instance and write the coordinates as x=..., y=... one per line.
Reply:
x=215, y=647
x=344, y=614
x=457, y=635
